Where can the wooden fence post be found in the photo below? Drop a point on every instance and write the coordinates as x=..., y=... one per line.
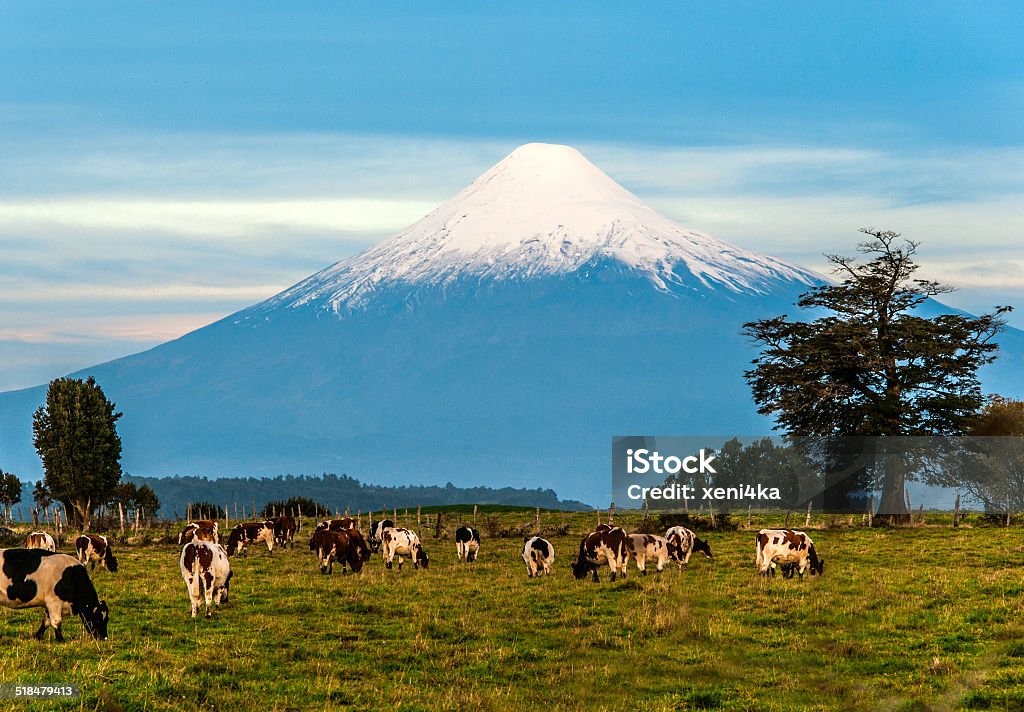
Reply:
x=474, y=515
x=611, y=514
x=956, y=512
x=120, y=512
x=419, y=520
x=871, y=512
x=807, y=521
x=536, y=521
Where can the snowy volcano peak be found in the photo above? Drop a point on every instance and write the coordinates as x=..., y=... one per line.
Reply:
x=543, y=210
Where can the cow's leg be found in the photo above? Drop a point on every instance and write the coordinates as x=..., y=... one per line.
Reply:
x=38, y=635
x=54, y=611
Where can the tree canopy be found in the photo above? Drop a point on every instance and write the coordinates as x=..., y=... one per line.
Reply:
x=871, y=362
x=75, y=434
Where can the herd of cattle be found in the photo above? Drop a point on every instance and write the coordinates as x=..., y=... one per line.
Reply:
x=37, y=576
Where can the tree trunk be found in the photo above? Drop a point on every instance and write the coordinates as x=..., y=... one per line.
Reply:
x=892, y=509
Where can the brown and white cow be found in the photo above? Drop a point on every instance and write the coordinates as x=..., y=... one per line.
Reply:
x=199, y=529
x=247, y=533
x=92, y=548
x=284, y=530
x=57, y=583
x=682, y=543
x=647, y=547
x=345, y=546
x=40, y=540
x=606, y=546
x=207, y=574
x=539, y=556
x=400, y=542
x=337, y=524
x=789, y=549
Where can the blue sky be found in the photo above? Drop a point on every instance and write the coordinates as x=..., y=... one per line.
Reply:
x=164, y=165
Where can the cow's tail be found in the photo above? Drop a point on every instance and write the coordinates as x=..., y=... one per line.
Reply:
x=196, y=590
x=759, y=551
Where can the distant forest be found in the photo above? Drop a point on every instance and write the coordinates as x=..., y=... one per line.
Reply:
x=337, y=492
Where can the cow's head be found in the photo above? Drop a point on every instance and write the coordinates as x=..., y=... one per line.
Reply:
x=580, y=568
x=94, y=619
x=817, y=565
x=235, y=540
x=421, y=558
x=110, y=560
x=702, y=546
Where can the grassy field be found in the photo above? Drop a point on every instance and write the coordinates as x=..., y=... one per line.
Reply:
x=923, y=618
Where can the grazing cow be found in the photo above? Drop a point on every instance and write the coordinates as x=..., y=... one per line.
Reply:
x=334, y=525
x=207, y=573
x=92, y=548
x=57, y=583
x=606, y=546
x=467, y=543
x=682, y=543
x=539, y=556
x=377, y=533
x=345, y=546
x=789, y=549
x=284, y=530
x=40, y=540
x=250, y=533
x=401, y=543
x=647, y=546
x=201, y=529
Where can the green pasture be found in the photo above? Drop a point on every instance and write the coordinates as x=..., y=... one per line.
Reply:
x=919, y=618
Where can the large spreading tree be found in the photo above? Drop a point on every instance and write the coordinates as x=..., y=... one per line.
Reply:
x=870, y=363
x=75, y=434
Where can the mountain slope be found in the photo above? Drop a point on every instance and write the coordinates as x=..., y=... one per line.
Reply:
x=501, y=340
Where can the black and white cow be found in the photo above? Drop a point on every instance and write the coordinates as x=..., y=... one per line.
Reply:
x=647, y=547
x=539, y=556
x=401, y=543
x=605, y=546
x=467, y=543
x=92, y=548
x=57, y=583
x=682, y=543
x=40, y=540
x=207, y=574
x=793, y=550
x=377, y=533
x=250, y=533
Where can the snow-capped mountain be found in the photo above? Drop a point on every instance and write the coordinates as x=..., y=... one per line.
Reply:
x=544, y=210
x=501, y=340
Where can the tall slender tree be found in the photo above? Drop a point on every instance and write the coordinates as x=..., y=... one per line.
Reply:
x=870, y=362
x=10, y=493
x=75, y=434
